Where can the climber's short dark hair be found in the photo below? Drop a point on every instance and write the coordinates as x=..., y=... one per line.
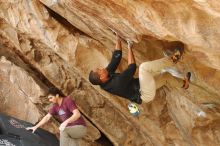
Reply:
x=94, y=78
x=54, y=91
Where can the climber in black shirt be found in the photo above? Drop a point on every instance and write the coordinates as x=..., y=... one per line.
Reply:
x=151, y=75
x=122, y=84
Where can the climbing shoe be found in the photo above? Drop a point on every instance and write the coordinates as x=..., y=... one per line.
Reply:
x=133, y=109
x=186, y=80
x=177, y=55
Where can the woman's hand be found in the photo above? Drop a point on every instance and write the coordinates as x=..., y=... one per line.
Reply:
x=34, y=128
x=63, y=126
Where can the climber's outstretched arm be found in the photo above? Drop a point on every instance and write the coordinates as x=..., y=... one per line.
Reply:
x=116, y=56
x=131, y=59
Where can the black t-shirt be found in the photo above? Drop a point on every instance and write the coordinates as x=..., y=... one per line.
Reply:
x=121, y=84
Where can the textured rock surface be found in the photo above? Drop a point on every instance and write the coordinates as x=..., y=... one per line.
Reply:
x=193, y=22
x=62, y=51
x=18, y=94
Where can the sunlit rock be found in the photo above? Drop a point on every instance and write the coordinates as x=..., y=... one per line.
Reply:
x=62, y=40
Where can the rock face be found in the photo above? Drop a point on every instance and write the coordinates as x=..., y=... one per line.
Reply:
x=57, y=42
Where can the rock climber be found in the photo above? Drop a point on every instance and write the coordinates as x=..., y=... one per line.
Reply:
x=135, y=89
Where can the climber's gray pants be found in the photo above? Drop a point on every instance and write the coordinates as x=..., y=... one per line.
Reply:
x=151, y=79
x=71, y=135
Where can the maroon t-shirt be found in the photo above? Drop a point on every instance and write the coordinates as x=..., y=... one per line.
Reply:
x=64, y=111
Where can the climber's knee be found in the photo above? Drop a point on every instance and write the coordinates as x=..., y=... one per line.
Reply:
x=145, y=67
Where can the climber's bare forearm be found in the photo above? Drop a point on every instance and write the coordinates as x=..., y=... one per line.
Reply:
x=131, y=58
x=118, y=43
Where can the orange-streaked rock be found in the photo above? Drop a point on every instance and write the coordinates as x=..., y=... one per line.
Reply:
x=63, y=45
